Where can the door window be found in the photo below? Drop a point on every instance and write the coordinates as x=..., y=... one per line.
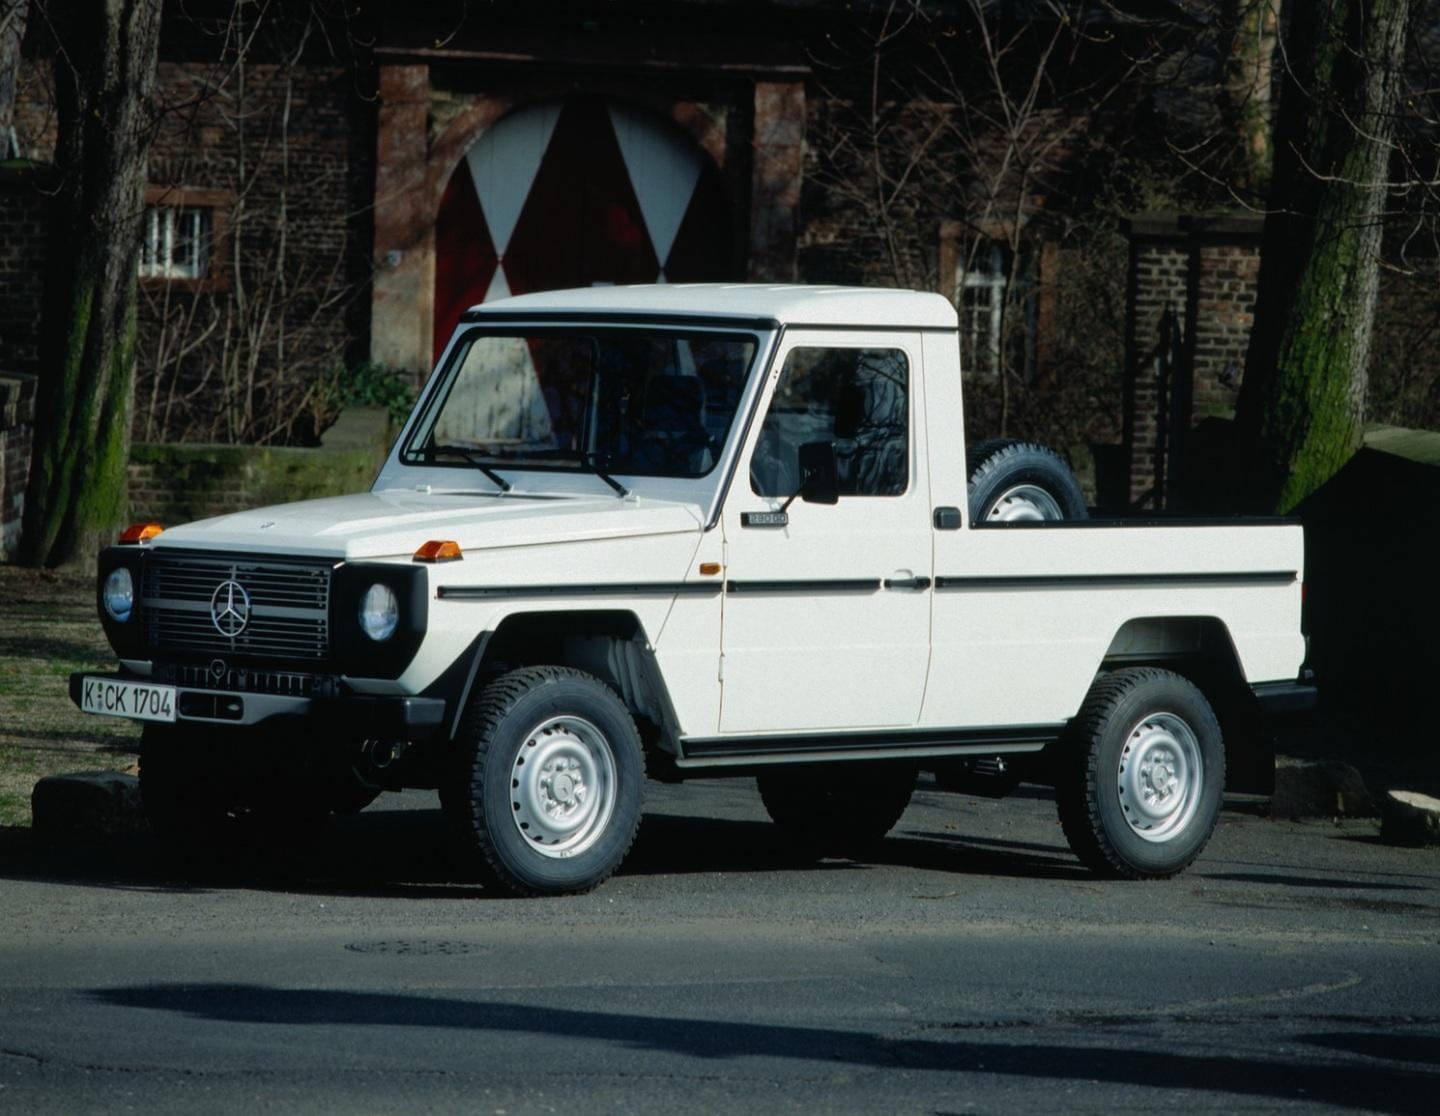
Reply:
x=855, y=399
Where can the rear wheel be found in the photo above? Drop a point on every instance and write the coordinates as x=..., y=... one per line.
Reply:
x=1146, y=771
x=836, y=810
x=549, y=782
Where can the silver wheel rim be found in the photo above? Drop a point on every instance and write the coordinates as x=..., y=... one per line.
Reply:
x=562, y=786
x=1160, y=777
x=1024, y=502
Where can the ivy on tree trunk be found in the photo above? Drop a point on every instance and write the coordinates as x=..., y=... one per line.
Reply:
x=1301, y=405
x=104, y=65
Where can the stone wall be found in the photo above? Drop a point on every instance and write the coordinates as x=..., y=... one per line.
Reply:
x=178, y=483
x=17, y=428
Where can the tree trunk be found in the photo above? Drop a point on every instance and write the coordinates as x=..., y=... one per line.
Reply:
x=105, y=60
x=12, y=30
x=1246, y=89
x=1301, y=405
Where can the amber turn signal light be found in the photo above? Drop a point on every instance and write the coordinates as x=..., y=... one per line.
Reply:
x=709, y=569
x=140, y=532
x=439, y=550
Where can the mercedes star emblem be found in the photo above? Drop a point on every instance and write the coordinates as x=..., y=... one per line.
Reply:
x=230, y=609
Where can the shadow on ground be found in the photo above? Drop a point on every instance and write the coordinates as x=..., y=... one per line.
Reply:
x=408, y=852
x=1055, y=1054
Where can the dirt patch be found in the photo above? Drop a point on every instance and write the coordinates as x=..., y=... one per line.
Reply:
x=48, y=628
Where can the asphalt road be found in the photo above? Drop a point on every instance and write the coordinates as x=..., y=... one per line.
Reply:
x=973, y=966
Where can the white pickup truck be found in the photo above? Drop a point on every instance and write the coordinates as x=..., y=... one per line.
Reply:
x=703, y=530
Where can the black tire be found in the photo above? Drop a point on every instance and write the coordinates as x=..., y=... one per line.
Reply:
x=586, y=765
x=1014, y=481
x=1143, y=775
x=836, y=810
x=207, y=789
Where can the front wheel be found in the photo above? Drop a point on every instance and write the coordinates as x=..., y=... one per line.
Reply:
x=549, y=782
x=1144, y=775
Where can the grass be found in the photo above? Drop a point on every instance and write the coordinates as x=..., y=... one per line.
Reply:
x=48, y=628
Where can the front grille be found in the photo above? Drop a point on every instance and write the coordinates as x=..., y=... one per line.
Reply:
x=251, y=680
x=289, y=598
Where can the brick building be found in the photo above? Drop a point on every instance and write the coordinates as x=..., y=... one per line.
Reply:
x=333, y=197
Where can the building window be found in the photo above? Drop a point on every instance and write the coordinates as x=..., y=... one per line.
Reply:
x=176, y=242
x=999, y=296
x=981, y=303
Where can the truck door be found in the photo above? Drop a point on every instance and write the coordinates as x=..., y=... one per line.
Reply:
x=827, y=606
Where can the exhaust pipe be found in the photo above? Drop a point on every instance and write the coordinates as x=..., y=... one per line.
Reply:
x=383, y=754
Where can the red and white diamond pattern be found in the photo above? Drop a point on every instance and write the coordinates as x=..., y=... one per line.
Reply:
x=572, y=195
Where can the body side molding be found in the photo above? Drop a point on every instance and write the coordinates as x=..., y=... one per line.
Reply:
x=878, y=744
x=596, y=589
x=1127, y=581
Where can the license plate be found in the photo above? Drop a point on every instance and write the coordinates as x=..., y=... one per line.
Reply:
x=139, y=701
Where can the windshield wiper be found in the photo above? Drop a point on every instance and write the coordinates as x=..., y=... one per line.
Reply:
x=472, y=457
x=592, y=462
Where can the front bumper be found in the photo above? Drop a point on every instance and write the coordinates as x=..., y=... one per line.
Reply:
x=362, y=716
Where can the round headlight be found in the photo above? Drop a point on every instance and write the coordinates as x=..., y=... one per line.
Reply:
x=120, y=594
x=379, y=612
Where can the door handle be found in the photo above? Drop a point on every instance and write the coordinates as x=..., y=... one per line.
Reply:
x=920, y=583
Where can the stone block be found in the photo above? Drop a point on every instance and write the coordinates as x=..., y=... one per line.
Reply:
x=69, y=808
x=1319, y=789
x=1410, y=818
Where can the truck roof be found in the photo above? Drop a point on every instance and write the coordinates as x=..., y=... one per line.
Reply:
x=784, y=304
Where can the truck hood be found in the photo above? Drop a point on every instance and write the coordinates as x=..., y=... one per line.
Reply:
x=394, y=523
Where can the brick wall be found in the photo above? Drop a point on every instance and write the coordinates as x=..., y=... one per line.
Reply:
x=288, y=170
x=17, y=427
x=22, y=249
x=297, y=139
x=1228, y=270
x=1158, y=282
x=1204, y=272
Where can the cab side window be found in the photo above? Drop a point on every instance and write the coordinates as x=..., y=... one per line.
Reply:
x=855, y=399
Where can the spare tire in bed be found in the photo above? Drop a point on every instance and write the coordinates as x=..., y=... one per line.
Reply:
x=1013, y=481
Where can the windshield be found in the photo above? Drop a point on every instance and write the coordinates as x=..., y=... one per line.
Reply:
x=644, y=402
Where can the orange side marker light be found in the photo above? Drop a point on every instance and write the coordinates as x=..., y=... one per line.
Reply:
x=140, y=532
x=439, y=550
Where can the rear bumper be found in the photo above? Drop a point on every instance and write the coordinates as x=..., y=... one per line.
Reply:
x=360, y=716
x=1287, y=700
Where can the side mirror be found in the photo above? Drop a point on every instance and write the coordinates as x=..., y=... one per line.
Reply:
x=819, y=479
